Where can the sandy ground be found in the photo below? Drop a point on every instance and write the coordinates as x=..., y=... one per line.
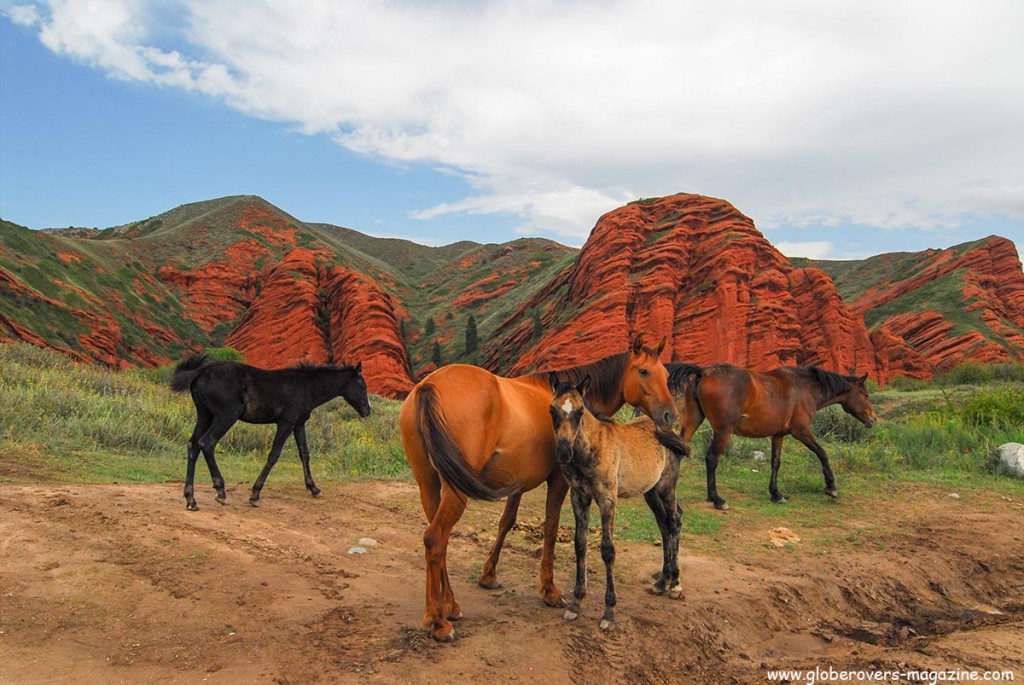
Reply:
x=120, y=584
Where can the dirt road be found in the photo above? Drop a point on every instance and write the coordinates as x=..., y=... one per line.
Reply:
x=120, y=584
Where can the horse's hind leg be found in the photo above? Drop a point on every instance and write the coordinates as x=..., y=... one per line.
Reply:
x=807, y=438
x=300, y=442
x=440, y=600
x=715, y=450
x=581, y=514
x=773, y=484
x=662, y=501
x=489, y=574
x=202, y=424
x=208, y=444
x=283, y=430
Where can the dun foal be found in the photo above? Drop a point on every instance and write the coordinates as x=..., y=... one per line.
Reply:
x=603, y=460
x=225, y=392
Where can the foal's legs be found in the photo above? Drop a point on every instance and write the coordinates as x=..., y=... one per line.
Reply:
x=489, y=575
x=581, y=514
x=805, y=436
x=300, y=442
x=284, y=429
x=203, y=418
x=440, y=600
x=773, y=484
x=715, y=450
x=220, y=425
x=662, y=501
x=606, y=503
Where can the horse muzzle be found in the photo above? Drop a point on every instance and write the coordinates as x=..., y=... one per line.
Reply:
x=666, y=420
x=563, y=452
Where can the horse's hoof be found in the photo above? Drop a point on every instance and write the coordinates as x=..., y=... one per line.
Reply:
x=780, y=499
x=657, y=590
x=606, y=625
x=721, y=506
x=492, y=585
x=254, y=502
x=222, y=499
x=676, y=592
x=570, y=615
x=315, y=492
x=191, y=506
x=454, y=614
x=445, y=633
x=832, y=492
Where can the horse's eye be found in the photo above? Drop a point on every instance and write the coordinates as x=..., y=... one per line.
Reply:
x=644, y=372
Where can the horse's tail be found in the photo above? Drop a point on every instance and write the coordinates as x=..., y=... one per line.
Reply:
x=186, y=371
x=444, y=454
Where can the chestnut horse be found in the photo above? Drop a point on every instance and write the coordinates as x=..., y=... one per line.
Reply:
x=467, y=432
x=772, y=404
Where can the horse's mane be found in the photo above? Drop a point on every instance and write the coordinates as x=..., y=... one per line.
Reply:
x=310, y=366
x=605, y=376
x=830, y=382
x=680, y=372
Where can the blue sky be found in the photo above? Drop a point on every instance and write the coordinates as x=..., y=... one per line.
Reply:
x=842, y=129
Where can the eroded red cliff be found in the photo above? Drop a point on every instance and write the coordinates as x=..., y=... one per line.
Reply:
x=697, y=271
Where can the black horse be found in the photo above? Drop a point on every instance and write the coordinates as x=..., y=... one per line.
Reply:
x=225, y=392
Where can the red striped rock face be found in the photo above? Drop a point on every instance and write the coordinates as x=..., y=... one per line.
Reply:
x=310, y=312
x=695, y=270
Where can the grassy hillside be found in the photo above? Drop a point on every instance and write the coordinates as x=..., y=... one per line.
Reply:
x=81, y=423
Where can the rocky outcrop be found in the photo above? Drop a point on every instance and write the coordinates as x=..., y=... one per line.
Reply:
x=979, y=288
x=308, y=311
x=697, y=271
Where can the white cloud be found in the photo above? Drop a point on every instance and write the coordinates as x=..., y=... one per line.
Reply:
x=812, y=249
x=887, y=114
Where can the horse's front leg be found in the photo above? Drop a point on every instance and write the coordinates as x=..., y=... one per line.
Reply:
x=715, y=450
x=300, y=442
x=773, y=483
x=805, y=436
x=489, y=574
x=440, y=600
x=581, y=514
x=557, y=489
x=284, y=429
x=606, y=504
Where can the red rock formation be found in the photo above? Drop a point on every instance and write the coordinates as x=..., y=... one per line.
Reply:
x=693, y=269
x=993, y=291
x=309, y=312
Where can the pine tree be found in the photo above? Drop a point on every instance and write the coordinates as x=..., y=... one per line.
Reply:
x=436, y=357
x=471, y=340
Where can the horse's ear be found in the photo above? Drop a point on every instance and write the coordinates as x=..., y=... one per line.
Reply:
x=553, y=380
x=661, y=347
x=862, y=380
x=359, y=366
x=584, y=386
x=638, y=343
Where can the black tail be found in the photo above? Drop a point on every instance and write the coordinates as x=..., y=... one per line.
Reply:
x=186, y=371
x=445, y=455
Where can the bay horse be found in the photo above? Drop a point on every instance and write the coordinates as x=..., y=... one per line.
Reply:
x=604, y=460
x=470, y=433
x=226, y=391
x=772, y=404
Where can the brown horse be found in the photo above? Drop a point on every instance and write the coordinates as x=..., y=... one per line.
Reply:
x=605, y=460
x=467, y=432
x=772, y=404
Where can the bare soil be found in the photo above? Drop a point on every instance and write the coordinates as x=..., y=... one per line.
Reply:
x=120, y=584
